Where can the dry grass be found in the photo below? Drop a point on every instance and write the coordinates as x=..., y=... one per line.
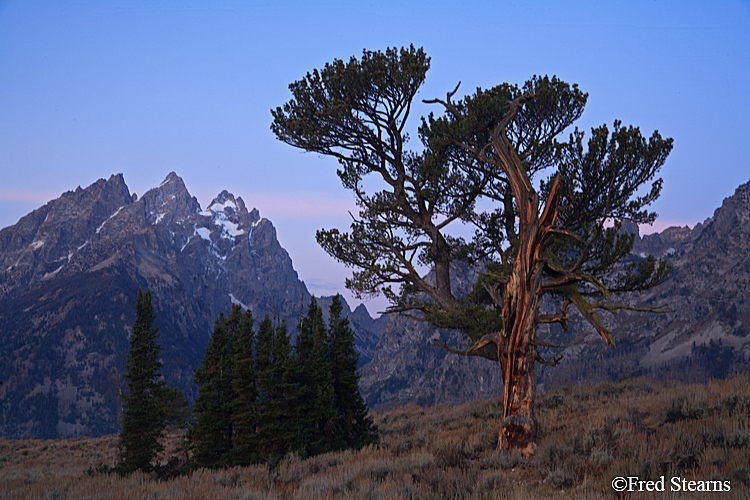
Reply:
x=591, y=435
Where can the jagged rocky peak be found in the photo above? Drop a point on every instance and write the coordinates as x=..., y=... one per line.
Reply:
x=41, y=243
x=732, y=219
x=227, y=207
x=232, y=209
x=227, y=203
x=170, y=202
x=92, y=205
x=665, y=243
x=230, y=215
x=86, y=209
x=114, y=189
x=662, y=244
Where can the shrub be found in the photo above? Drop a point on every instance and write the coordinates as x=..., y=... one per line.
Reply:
x=561, y=478
x=686, y=405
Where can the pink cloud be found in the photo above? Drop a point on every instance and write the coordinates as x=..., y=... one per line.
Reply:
x=27, y=196
x=301, y=205
x=304, y=206
x=661, y=225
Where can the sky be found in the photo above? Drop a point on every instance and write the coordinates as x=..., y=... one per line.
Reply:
x=89, y=89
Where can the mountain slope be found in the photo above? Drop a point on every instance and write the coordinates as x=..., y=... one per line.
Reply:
x=69, y=274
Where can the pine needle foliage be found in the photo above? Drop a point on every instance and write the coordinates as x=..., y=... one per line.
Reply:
x=212, y=434
x=317, y=401
x=276, y=392
x=260, y=399
x=143, y=421
x=244, y=387
x=351, y=427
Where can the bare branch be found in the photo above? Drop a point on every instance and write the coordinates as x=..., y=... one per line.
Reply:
x=447, y=103
x=566, y=233
x=554, y=318
x=486, y=347
x=554, y=362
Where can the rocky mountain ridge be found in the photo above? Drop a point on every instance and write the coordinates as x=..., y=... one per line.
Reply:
x=69, y=273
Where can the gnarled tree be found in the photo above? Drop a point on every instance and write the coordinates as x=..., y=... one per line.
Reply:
x=486, y=150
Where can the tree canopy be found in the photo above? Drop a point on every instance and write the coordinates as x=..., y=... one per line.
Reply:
x=261, y=399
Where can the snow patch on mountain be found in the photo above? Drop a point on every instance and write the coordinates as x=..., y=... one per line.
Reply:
x=237, y=302
x=203, y=232
x=219, y=216
x=53, y=273
x=108, y=218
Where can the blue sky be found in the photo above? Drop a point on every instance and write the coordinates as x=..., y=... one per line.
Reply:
x=91, y=88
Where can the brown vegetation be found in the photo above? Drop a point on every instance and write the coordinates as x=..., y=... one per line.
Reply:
x=592, y=434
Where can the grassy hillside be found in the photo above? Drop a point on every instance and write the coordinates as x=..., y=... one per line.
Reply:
x=591, y=434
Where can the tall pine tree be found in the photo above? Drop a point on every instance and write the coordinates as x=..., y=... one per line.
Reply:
x=277, y=392
x=285, y=394
x=316, y=402
x=353, y=428
x=211, y=435
x=143, y=412
x=244, y=405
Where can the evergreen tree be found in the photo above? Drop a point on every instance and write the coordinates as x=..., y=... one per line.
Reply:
x=316, y=403
x=177, y=411
x=353, y=428
x=244, y=406
x=264, y=385
x=276, y=376
x=212, y=434
x=547, y=211
x=143, y=412
x=285, y=392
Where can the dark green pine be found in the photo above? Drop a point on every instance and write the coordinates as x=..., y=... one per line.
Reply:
x=211, y=435
x=285, y=395
x=316, y=402
x=275, y=386
x=244, y=406
x=352, y=427
x=143, y=413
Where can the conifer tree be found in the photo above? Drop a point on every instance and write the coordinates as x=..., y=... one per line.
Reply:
x=547, y=211
x=285, y=394
x=244, y=406
x=177, y=411
x=316, y=404
x=264, y=385
x=143, y=413
x=352, y=427
x=275, y=378
x=211, y=435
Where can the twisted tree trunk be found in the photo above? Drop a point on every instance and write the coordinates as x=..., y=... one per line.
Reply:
x=517, y=355
x=516, y=348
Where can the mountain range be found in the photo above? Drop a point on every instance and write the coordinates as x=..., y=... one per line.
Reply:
x=70, y=271
x=69, y=275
